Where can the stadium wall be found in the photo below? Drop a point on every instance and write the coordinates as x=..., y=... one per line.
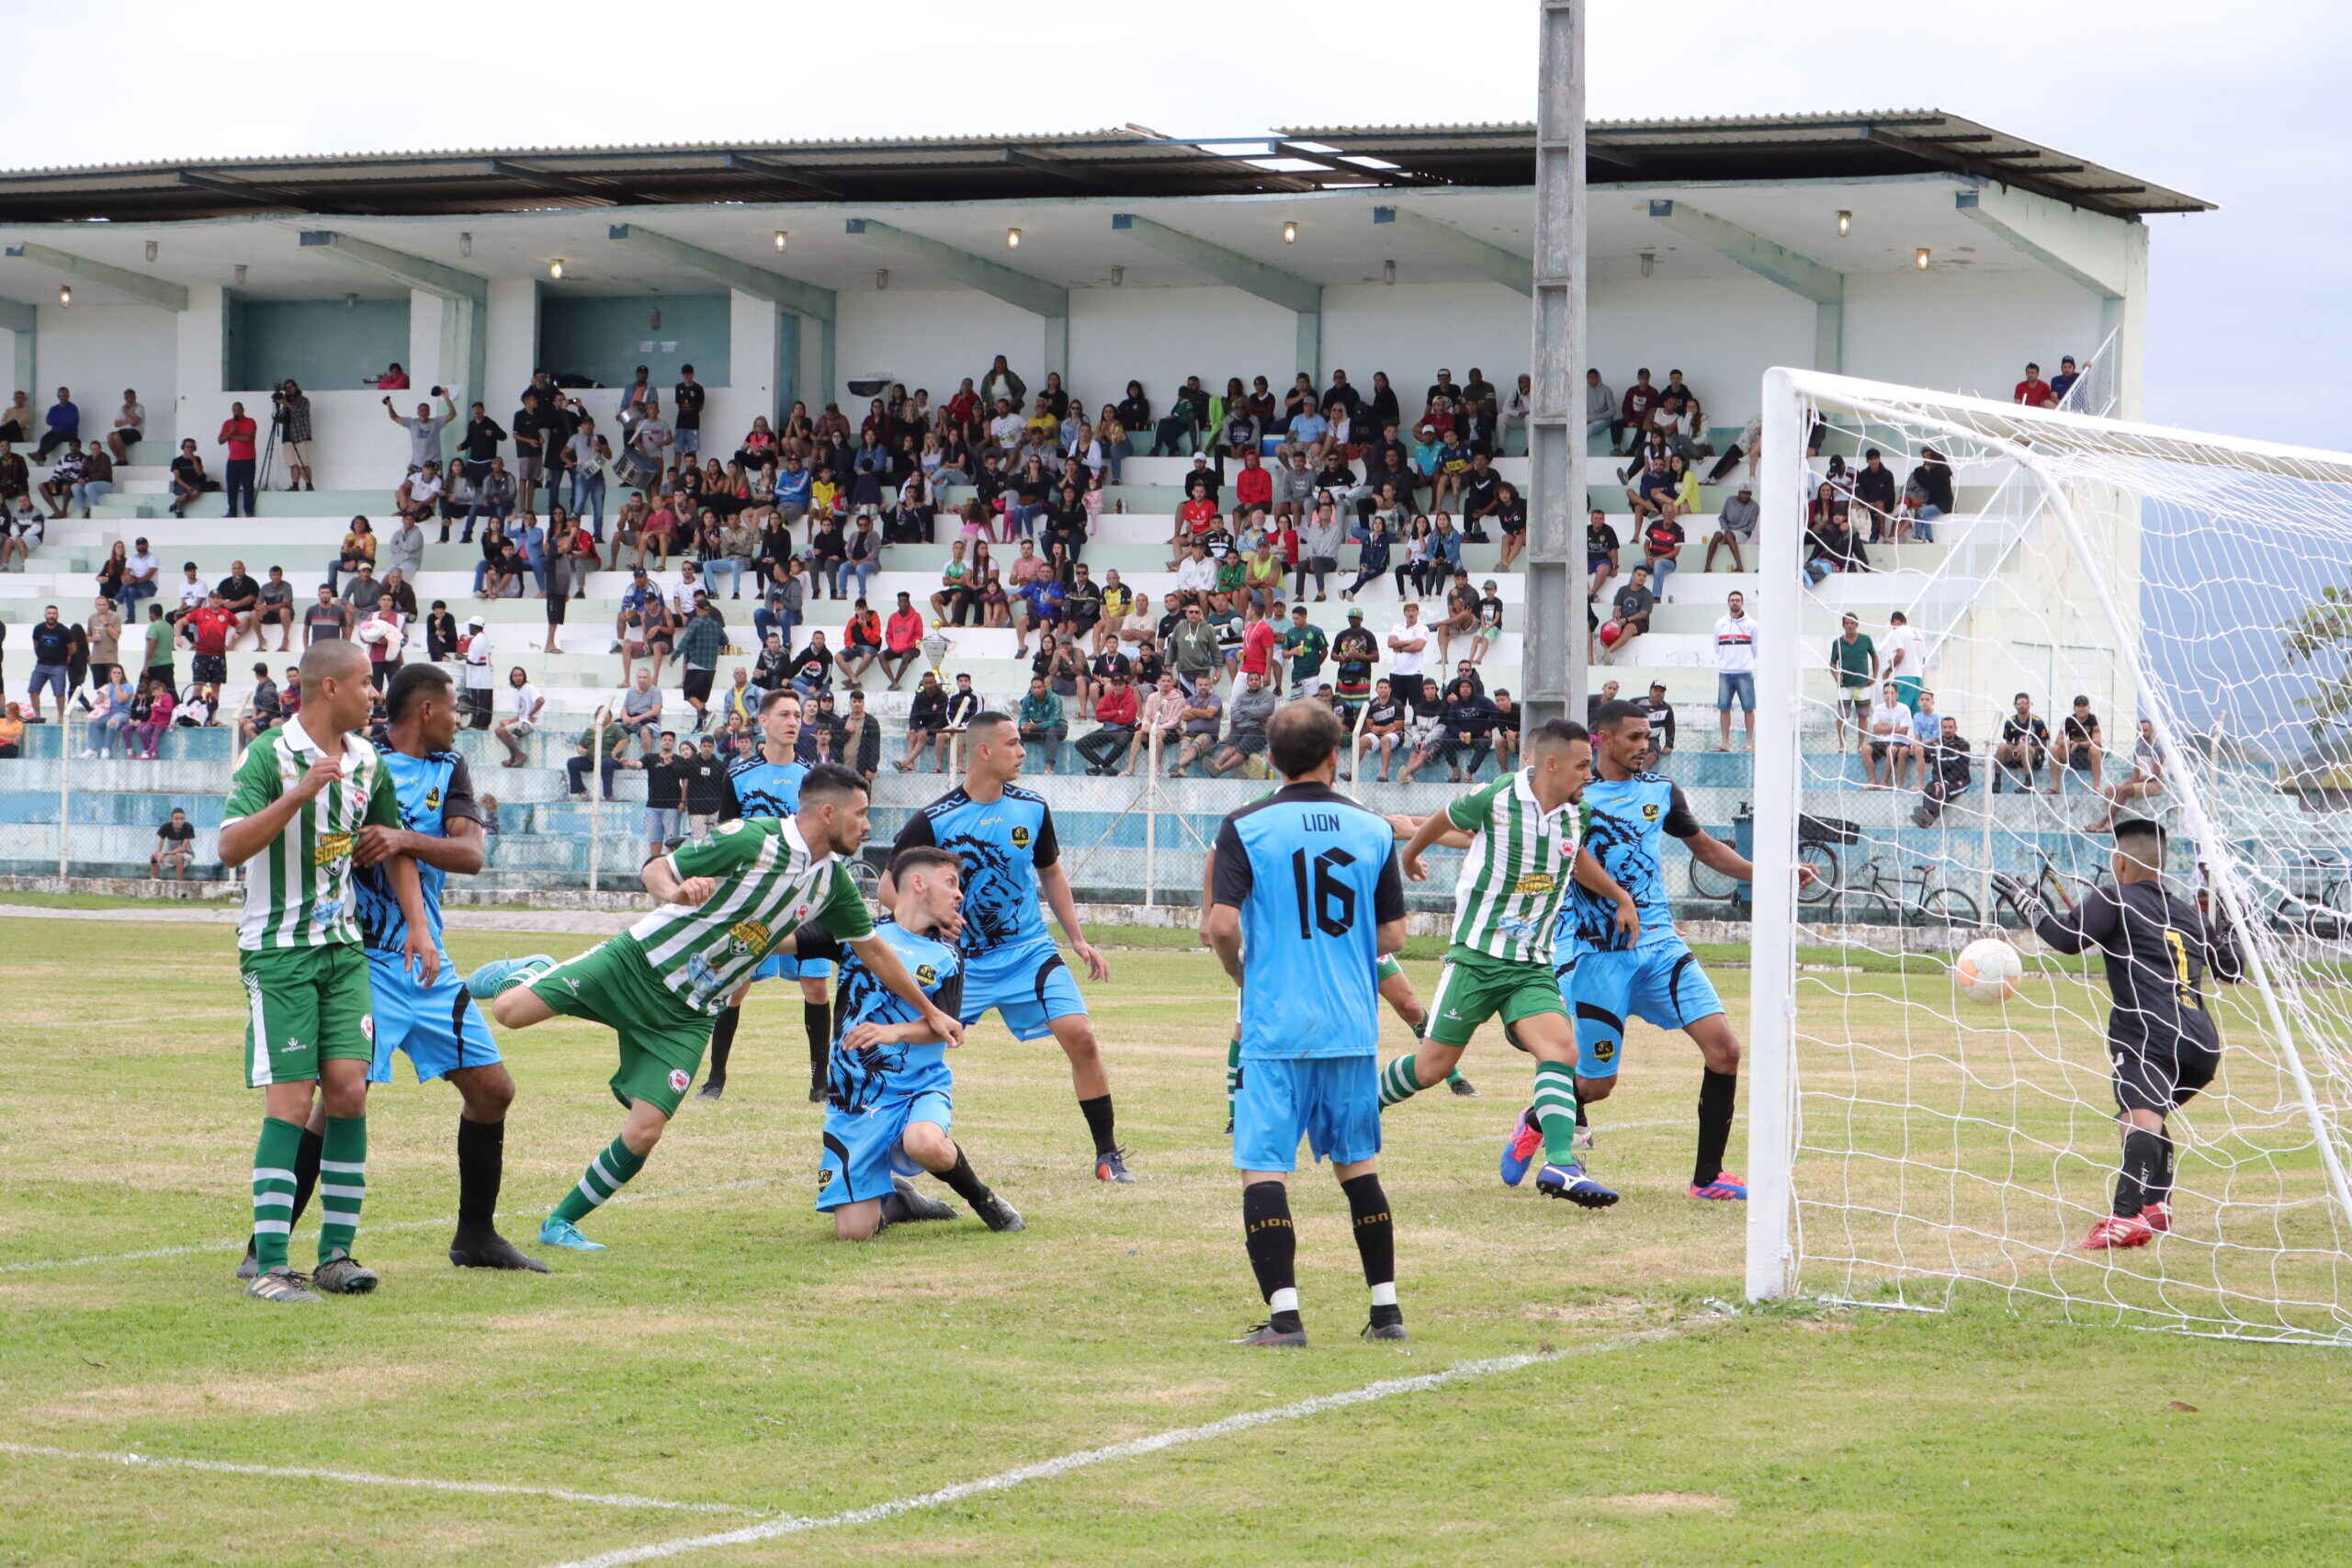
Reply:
x=98, y=350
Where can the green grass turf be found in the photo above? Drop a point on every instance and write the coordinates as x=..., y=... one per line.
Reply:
x=726, y=1351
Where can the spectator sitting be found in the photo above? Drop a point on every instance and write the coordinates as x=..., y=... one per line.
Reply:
x=2081, y=749
x=1893, y=741
x=1204, y=714
x=1926, y=495
x=265, y=706
x=1043, y=722
x=2147, y=775
x=604, y=735
x=1630, y=615
x=1734, y=527
x=63, y=426
x=358, y=550
x=926, y=721
x=1253, y=706
x=1946, y=769
x=2033, y=391
x=174, y=846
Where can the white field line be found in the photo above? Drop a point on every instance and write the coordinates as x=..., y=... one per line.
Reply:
x=365, y=1478
x=1046, y=1470
x=237, y=1244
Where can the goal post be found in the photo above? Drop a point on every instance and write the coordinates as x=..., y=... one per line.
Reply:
x=1908, y=1148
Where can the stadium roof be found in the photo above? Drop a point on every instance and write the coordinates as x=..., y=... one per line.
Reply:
x=1129, y=161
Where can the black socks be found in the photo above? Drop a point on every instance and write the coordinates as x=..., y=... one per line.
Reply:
x=1376, y=1244
x=1098, y=1122
x=817, y=1017
x=306, y=1171
x=2146, y=1175
x=482, y=1163
x=963, y=1182
x=1273, y=1249
x=722, y=1043
x=1716, y=1093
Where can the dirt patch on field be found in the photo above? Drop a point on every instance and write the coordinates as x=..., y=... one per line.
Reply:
x=1670, y=1503
x=302, y=1394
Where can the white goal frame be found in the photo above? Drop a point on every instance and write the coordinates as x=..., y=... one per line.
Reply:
x=1772, y=1070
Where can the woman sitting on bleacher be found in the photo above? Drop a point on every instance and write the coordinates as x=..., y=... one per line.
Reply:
x=759, y=442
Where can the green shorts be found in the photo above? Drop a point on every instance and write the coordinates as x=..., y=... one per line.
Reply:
x=661, y=1038
x=304, y=1006
x=1474, y=987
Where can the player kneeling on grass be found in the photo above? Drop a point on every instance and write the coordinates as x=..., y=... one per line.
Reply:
x=726, y=901
x=890, y=1096
x=2161, y=1040
x=1308, y=899
x=303, y=793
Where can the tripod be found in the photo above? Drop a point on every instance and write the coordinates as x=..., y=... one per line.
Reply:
x=268, y=453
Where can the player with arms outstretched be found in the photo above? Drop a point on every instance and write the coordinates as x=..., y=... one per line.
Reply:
x=1608, y=981
x=303, y=793
x=1521, y=854
x=1004, y=836
x=891, y=1096
x=726, y=902
x=767, y=783
x=1308, y=899
x=2161, y=1040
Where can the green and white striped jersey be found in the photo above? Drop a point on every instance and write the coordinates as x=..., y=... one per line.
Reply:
x=768, y=883
x=1515, y=871
x=298, y=891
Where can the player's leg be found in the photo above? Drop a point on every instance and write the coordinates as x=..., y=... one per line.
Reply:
x=484, y=1092
x=1397, y=990
x=342, y=1174
x=1718, y=1092
x=1541, y=1026
x=927, y=1143
x=1462, y=1001
x=1343, y=1126
x=613, y=1168
x=722, y=1031
x=1036, y=994
x=281, y=1059
x=817, y=1023
x=1267, y=1126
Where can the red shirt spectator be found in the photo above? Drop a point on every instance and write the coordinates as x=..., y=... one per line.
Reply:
x=864, y=630
x=212, y=624
x=1117, y=705
x=2033, y=391
x=962, y=407
x=239, y=434
x=904, y=632
x=1286, y=545
x=1198, y=513
x=1253, y=486
x=1257, y=645
x=1640, y=398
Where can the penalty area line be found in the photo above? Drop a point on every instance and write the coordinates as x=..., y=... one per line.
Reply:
x=368, y=1478
x=1046, y=1470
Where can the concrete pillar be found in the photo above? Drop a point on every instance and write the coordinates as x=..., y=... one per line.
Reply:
x=204, y=350
x=511, y=350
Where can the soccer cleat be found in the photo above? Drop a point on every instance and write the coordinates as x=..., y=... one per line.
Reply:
x=2119, y=1230
x=2159, y=1216
x=1570, y=1182
x=1111, y=1165
x=920, y=1206
x=1462, y=1087
x=1584, y=1136
x=1385, y=1331
x=818, y=1089
x=998, y=1214
x=1265, y=1335
x=1521, y=1149
x=283, y=1285
x=344, y=1275
x=1725, y=1189
x=250, y=1266
x=1229, y=1125
x=563, y=1233
x=501, y=974
x=712, y=1090
x=488, y=1249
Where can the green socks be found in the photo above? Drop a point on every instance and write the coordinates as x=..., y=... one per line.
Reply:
x=1232, y=1069
x=1453, y=1076
x=606, y=1175
x=274, y=1190
x=1399, y=1080
x=1556, y=1111
x=343, y=1183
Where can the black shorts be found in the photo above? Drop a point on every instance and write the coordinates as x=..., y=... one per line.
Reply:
x=2149, y=1077
x=1514, y=525
x=128, y=437
x=559, y=606
x=209, y=667
x=696, y=685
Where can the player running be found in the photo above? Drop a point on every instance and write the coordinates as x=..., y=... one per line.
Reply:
x=434, y=1022
x=1308, y=899
x=1654, y=976
x=891, y=1098
x=767, y=783
x=726, y=902
x=2161, y=1040
x=303, y=793
x=1004, y=836
x=1520, y=852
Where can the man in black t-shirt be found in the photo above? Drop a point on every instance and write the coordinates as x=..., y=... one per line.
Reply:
x=2025, y=740
x=706, y=777
x=2162, y=1043
x=1355, y=651
x=530, y=451
x=174, y=847
x=2080, y=746
x=685, y=420
x=1629, y=617
x=665, y=796
x=1383, y=729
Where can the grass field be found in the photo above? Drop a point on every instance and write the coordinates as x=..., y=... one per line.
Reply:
x=727, y=1356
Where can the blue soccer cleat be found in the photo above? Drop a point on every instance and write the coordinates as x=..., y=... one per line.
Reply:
x=1526, y=1141
x=1570, y=1182
x=501, y=974
x=1725, y=1189
x=563, y=1233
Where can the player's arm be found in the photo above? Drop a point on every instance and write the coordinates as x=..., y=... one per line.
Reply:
x=2091, y=923
x=1465, y=815
x=418, y=951
x=1593, y=879
x=2223, y=955
x=258, y=811
x=1233, y=877
x=456, y=848
x=1208, y=891
x=1054, y=883
x=1405, y=826
x=1388, y=905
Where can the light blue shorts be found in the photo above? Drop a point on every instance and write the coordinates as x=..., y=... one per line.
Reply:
x=1333, y=1102
x=438, y=1025
x=1029, y=987
x=864, y=1148
x=784, y=966
x=1661, y=984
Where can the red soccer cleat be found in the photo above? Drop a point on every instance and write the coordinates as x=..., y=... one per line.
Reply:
x=1725, y=1189
x=2119, y=1230
x=2159, y=1216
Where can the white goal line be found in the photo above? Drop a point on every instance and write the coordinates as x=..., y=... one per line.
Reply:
x=1046, y=1470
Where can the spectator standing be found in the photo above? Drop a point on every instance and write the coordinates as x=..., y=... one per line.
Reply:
x=1734, y=669
x=2063, y=382
x=329, y=617
x=477, y=648
x=700, y=642
x=1903, y=659
x=1854, y=661
x=237, y=434
x=292, y=417
x=424, y=430
x=1408, y=655
x=52, y=644
x=685, y=420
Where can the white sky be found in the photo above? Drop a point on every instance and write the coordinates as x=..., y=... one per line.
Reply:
x=2239, y=105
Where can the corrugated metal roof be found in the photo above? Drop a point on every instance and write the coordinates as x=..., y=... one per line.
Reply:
x=1114, y=161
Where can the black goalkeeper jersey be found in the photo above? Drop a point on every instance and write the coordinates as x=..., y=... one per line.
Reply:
x=2157, y=949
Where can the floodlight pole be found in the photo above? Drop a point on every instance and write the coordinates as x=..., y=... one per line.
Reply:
x=1557, y=648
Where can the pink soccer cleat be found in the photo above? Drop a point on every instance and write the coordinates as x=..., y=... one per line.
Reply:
x=1725, y=1189
x=2119, y=1230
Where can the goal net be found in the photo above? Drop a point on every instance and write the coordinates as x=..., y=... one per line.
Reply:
x=2105, y=617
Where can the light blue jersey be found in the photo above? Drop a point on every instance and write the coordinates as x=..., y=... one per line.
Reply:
x=438, y=1025
x=434, y=790
x=1622, y=821
x=1003, y=843
x=872, y=1094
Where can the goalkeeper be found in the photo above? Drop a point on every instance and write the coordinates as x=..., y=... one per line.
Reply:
x=2160, y=1038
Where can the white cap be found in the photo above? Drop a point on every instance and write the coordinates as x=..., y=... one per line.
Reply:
x=476, y=621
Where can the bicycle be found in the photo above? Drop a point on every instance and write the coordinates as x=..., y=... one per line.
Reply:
x=1815, y=838
x=2054, y=888
x=1930, y=906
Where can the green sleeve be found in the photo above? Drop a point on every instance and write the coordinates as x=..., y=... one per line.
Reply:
x=1469, y=812
x=256, y=783
x=383, y=801
x=731, y=848
x=844, y=912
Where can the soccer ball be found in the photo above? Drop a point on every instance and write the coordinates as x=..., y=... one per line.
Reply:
x=1987, y=971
